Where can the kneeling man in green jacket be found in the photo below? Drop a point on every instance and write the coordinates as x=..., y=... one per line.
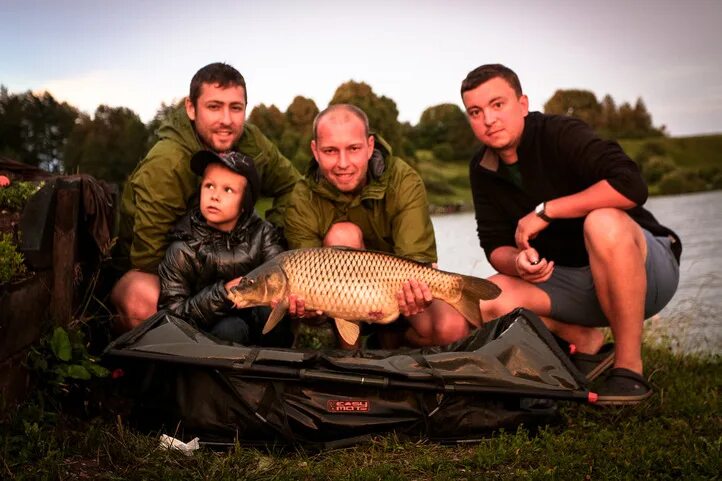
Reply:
x=357, y=194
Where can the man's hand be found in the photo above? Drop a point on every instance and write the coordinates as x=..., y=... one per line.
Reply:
x=413, y=297
x=531, y=268
x=297, y=309
x=528, y=228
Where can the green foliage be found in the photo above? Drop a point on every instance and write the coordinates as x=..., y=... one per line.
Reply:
x=581, y=104
x=678, y=165
x=445, y=129
x=163, y=114
x=108, y=146
x=447, y=183
x=61, y=360
x=606, y=118
x=443, y=151
x=34, y=128
x=693, y=152
x=270, y=120
x=15, y=196
x=11, y=261
x=381, y=111
x=681, y=181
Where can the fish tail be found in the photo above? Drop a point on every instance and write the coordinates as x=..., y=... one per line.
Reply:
x=474, y=289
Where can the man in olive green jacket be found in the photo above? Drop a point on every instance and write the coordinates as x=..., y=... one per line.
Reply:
x=162, y=187
x=357, y=194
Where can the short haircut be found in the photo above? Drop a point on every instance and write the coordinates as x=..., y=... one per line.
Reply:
x=220, y=74
x=490, y=71
x=352, y=109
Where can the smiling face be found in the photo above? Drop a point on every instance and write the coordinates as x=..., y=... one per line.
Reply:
x=496, y=114
x=343, y=149
x=222, y=193
x=219, y=115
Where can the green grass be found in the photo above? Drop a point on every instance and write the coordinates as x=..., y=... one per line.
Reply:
x=692, y=152
x=677, y=434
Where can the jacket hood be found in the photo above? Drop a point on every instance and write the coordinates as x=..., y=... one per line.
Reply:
x=178, y=128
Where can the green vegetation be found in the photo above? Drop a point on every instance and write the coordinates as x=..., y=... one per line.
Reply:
x=11, y=261
x=38, y=130
x=61, y=359
x=677, y=434
x=447, y=183
x=678, y=165
x=14, y=196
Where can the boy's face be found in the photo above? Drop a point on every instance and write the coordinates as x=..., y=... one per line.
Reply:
x=221, y=196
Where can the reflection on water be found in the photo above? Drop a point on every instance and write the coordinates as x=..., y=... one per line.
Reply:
x=692, y=322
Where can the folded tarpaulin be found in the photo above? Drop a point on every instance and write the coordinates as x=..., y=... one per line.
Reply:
x=493, y=378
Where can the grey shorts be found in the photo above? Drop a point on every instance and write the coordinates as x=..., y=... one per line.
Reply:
x=574, y=300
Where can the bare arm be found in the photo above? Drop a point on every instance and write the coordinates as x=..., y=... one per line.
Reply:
x=597, y=196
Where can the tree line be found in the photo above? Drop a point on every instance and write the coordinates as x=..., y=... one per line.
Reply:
x=39, y=130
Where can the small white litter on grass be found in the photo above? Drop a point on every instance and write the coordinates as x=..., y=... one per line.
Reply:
x=170, y=442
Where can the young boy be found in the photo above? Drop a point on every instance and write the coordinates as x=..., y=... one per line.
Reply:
x=213, y=246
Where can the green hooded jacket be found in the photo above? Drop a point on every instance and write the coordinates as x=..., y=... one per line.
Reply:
x=162, y=187
x=392, y=209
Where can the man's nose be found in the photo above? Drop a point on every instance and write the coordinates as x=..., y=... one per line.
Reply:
x=226, y=115
x=489, y=117
x=343, y=160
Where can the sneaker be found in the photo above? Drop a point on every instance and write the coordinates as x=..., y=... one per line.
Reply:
x=622, y=386
x=592, y=365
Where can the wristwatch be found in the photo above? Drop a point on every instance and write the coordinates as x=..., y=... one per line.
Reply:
x=540, y=211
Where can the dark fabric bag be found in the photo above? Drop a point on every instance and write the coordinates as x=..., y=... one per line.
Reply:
x=508, y=373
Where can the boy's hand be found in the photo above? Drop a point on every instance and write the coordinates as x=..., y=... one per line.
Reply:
x=233, y=283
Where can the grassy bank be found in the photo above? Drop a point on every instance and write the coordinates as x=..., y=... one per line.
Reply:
x=676, y=434
x=696, y=152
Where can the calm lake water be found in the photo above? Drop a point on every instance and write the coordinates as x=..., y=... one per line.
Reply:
x=692, y=322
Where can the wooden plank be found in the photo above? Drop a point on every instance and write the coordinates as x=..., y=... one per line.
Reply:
x=65, y=248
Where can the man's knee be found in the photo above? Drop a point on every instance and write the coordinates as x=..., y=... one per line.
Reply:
x=611, y=228
x=451, y=331
x=506, y=302
x=448, y=325
x=135, y=296
x=345, y=234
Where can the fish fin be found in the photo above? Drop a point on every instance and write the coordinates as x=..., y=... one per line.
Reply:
x=474, y=289
x=348, y=330
x=276, y=316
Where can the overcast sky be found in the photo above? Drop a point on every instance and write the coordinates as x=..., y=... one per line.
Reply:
x=139, y=54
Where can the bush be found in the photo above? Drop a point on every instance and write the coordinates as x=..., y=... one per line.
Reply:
x=11, y=261
x=680, y=182
x=657, y=167
x=443, y=152
x=14, y=196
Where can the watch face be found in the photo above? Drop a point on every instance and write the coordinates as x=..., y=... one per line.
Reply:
x=539, y=209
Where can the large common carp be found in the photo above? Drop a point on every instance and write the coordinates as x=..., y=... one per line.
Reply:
x=353, y=285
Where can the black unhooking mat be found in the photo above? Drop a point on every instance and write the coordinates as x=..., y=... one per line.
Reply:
x=508, y=372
